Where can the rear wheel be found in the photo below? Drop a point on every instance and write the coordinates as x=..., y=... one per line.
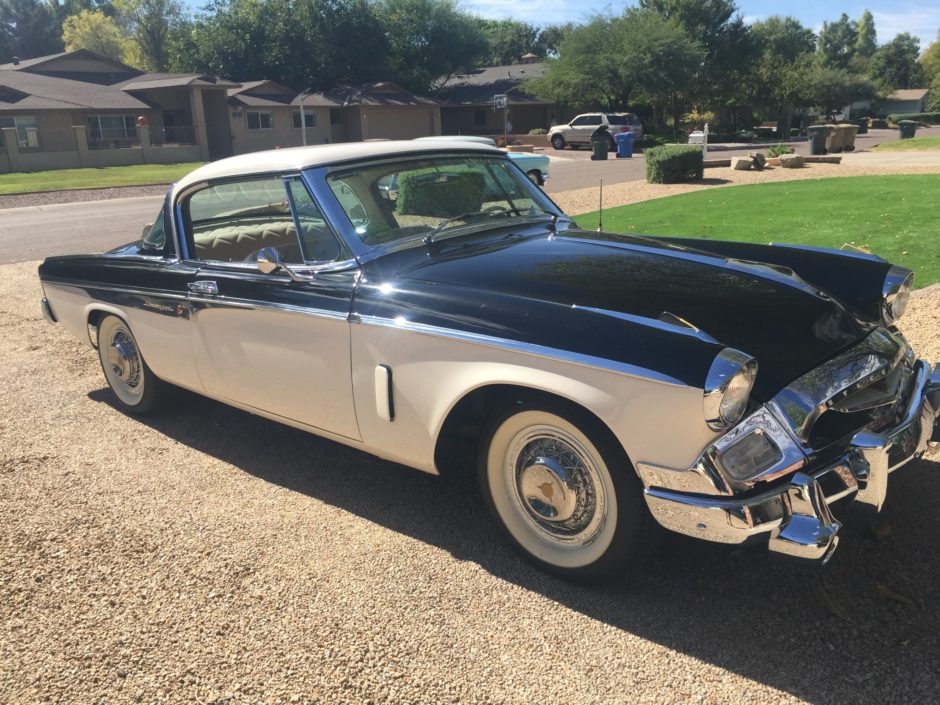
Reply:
x=564, y=493
x=137, y=389
x=558, y=142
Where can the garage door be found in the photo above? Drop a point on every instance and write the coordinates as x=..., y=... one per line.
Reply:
x=400, y=124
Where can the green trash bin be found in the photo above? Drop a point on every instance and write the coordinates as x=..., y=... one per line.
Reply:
x=600, y=143
x=908, y=129
x=818, y=134
x=862, y=126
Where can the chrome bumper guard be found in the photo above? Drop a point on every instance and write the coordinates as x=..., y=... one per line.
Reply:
x=795, y=518
x=47, y=312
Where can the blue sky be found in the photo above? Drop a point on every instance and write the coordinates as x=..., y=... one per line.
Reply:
x=919, y=17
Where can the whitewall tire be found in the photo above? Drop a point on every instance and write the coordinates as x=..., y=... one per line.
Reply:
x=562, y=493
x=137, y=389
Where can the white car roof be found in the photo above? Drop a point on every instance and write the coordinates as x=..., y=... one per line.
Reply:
x=297, y=158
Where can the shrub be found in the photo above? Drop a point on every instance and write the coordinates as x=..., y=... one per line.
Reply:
x=673, y=164
x=746, y=135
x=794, y=132
x=440, y=195
x=929, y=118
x=538, y=131
x=778, y=149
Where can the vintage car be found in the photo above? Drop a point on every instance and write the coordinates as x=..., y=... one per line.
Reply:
x=611, y=384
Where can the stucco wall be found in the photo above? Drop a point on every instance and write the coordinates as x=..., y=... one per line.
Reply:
x=283, y=134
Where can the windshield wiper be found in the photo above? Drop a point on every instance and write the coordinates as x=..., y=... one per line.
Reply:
x=429, y=238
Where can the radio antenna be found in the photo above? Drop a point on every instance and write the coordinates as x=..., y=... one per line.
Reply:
x=600, y=208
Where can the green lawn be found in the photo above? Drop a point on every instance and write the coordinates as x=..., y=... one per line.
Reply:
x=894, y=217
x=916, y=143
x=63, y=179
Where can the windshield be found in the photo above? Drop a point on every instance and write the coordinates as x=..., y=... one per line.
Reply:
x=625, y=119
x=396, y=201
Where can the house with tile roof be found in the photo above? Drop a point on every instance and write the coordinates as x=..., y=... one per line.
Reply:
x=79, y=108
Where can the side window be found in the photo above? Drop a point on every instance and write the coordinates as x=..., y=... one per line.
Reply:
x=317, y=239
x=231, y=222
x=578, y=121
x=593, y=120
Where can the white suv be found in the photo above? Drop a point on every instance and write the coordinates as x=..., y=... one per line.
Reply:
x=578, y=131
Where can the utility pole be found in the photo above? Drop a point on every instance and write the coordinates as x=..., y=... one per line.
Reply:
x=303, y=118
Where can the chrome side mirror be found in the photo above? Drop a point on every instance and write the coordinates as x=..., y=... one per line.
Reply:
x=268, y=260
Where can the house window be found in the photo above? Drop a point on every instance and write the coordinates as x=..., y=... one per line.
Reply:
x=27, y=129
x=310, y=119
x=260, y=120
x=479, y=118
x=111, y=127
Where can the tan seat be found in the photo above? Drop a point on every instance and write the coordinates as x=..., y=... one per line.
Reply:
x=235, y=243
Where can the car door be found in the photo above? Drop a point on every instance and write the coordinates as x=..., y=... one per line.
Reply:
x=582, y=128
x=269, y=341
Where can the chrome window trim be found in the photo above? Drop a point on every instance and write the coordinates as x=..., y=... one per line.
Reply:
x=531, y=349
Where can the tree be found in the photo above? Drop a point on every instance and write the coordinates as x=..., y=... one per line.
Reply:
x=895, y=63
x=785, y=43
x=28, y=28
x=507, y=40
x=315, y=44
x=428, y=41
x=728, y=49
x=150, y=23
x=930, y=65
x=608, y=62
x=866, y=38
x=99, y=33
x=832, y=88
x=550, y=38
x=837, y=42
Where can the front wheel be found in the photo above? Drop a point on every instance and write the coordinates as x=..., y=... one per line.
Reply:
x=558, y=142
x=535, y=177
x=563, y=492
x=136, y=387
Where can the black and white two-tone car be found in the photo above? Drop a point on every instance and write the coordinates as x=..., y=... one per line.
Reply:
x=612, y=384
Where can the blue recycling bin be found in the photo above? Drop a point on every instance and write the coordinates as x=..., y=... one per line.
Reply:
x=624, y=142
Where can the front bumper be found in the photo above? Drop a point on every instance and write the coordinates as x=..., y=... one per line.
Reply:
x=795, y=518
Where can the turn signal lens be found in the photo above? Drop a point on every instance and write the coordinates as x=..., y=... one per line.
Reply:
x=750, y=456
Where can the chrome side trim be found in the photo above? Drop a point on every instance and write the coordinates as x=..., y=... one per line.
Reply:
x=524, y=348
x=119, y=289
x=650, y=323
x=264, y=305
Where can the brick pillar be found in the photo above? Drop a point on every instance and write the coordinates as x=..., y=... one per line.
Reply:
x=199, y=122
x=13, y=147
x=81, y=144
x=143, y=136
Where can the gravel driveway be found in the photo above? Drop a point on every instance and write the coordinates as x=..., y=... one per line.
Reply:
x=209, y=556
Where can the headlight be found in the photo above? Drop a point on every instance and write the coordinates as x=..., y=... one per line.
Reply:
x=728, y=387
x=895, y=293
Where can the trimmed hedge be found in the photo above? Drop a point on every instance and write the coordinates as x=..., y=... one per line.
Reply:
x=672, y=164
x=929, y=118
x=439, y=195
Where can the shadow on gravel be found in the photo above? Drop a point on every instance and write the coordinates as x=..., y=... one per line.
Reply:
x=866, y=628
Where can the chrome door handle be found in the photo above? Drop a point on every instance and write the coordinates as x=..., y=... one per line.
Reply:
x=204, y=286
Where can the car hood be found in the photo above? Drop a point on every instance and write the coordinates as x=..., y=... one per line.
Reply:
x=788, y=325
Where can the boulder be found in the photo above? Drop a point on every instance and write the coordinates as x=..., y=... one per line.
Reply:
x=759, y=160
x=741, y=163
x=791, y=161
